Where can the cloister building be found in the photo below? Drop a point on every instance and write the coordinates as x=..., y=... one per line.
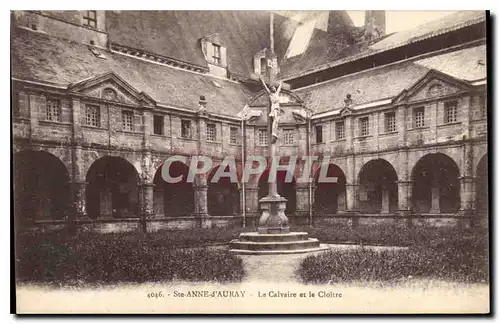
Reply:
x=101, y=98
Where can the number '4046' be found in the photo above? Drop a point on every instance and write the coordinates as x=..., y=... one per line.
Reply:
x=158, y=294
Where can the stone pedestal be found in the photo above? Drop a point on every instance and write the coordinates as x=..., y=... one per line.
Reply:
x=273, y=219
x=273, y=234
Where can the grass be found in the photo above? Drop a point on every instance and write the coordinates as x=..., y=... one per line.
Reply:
x=90, y=258
x=378, y=234
x=456, y=255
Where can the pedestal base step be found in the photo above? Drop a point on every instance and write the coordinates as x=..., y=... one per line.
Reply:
x=250, y=252
x=288, y=237
x=255, y=243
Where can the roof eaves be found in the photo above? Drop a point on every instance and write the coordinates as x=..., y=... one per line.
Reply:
x=117, y=48
x=365, y=105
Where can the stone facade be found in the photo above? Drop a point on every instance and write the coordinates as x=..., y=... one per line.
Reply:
x=419, y=157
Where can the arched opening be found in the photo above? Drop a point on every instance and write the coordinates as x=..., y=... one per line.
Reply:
x=173, y=199
x=436, y=187
x=112, y=189
x=482, y=189
x=329, y=197
x=285, y=189
x=223, y=196
x=41, y=187
x=378, y=188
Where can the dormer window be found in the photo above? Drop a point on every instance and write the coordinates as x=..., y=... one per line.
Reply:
x=216, y=58
x=263, y=66
x=90, y=18
x=215, y=53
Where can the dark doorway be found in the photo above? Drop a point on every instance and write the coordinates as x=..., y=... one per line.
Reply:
x=329, y=198
x=41, y=187
x=112, y=189
x=223, y=196
x=378, y=188
x=173, y=199
x=436, y=187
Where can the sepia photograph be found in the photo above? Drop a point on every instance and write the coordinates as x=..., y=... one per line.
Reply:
x=250, y=162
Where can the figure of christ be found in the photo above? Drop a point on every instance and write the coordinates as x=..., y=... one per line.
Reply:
x=274, y=97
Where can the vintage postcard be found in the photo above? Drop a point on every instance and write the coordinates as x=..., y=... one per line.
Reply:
x=236, y=162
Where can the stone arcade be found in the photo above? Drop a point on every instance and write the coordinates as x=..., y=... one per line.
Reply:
x=101, y=99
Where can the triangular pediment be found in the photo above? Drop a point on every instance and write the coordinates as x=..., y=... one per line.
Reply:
x=434, y=84
x=112, y=88
x=346, y=111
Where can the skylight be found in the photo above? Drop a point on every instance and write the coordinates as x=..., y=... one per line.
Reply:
x=301, y=38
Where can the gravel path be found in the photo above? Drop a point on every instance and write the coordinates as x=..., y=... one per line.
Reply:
x=282, y=268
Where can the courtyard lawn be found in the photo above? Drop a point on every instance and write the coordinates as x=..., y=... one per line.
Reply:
x=442, y=254
x=386, y=234
x=91, y=258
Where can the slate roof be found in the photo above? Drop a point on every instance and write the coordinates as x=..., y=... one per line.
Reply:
x=388, y=81
x=432, y=28
x=316, y=59
x=43, y=58
x=467, y=64
x=177, y=34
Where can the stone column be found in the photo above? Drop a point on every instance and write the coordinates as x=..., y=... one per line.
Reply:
x=302, y=208
x=252, y=200
x=435, y=199
x=341, y=202
x=147, y=200
x=404, y=196
x=201, y=205
x=385, y=200
x=467, y=185
x=404, y=201
x=352, y=197
x=78, y=199
x=467, y=190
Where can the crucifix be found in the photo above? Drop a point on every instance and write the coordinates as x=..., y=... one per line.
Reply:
x=273, y=219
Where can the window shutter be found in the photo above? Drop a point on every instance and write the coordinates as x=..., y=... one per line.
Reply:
x=223, y=57
x=210, y=52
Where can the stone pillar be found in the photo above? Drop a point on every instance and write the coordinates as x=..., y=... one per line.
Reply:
x=385, y=200
x=352, y=197
x=252, y=203
x=341, y=202
x=78, y=199
x=404, y=201
x=302, y=208
x=147, y=200
x=77, y=112
x=467, y=184
x=435, y=199
x=404, y=196
x=467, y=193
x=201, y=205
x=352, y=202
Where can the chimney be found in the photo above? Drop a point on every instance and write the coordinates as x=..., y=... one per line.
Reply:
x=374, y=24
